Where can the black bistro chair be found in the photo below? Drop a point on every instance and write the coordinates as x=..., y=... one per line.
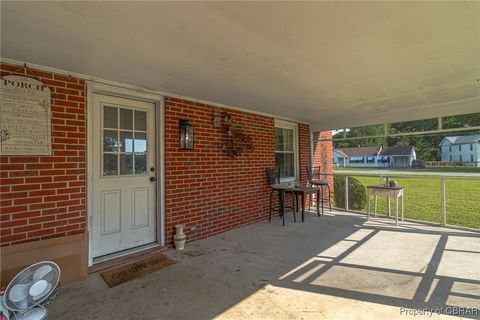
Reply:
x=273, y=177
x=319, y=183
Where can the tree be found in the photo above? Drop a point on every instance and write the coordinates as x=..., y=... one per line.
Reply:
x=426, y=146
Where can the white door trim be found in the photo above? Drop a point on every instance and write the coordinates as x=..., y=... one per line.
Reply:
x=158, y=100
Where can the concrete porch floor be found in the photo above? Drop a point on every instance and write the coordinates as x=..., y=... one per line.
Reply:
x=330, y=267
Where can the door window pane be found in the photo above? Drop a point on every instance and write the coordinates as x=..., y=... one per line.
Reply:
x=140, y=163
x=126, y=141
x=140, y=142
x=110, y=140
x=110, y=164
x=140, y=120
x=126, y=119
x=110, y=117
x=126, y=163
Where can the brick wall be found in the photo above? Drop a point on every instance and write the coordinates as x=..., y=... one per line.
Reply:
x=323, y=154
x=45, y=196
x=323, y=151
x=304, y=154
x=206, y=189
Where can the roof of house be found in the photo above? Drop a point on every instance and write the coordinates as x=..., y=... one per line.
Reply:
x=397, y=151
x=341, y=152
x=359, y=151
x=463, y=139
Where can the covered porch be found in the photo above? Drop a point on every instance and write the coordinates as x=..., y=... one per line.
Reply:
x=337, y=266
x=122, y=83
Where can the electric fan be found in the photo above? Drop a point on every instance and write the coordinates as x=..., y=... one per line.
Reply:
x=30, y=288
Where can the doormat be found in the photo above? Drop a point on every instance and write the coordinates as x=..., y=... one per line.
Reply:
x=115, y=276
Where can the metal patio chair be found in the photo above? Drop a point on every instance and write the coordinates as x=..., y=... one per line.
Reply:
x=273, y=178
x=319, y=183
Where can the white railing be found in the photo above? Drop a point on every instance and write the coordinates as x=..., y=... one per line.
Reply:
x=471, y=208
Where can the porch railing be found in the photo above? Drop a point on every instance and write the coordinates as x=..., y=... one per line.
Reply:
x=439, y=199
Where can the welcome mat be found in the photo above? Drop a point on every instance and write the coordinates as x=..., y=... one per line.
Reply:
x=115, y=276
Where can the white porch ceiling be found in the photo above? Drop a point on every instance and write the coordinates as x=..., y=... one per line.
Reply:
x=330, y=64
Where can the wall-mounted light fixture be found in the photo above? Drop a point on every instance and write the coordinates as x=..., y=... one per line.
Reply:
x=186, y=135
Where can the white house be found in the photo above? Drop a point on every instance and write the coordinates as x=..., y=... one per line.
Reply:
x=464, y=149
x=356, y=157
x=375, y=157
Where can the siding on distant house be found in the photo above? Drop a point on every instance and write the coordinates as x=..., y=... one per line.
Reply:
x=461, y=149
x=374, y=157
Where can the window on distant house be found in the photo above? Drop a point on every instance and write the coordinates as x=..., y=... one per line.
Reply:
x=471, y=147
x=460, y=148
x=471, y=158
x=450, y=158
x=461, y=158
x=286, y=155
x=357, y=160
x=450, y=148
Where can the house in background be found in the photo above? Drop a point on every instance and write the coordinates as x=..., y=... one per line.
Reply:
x=375, y=157
x=356, y=157
x=464, y=149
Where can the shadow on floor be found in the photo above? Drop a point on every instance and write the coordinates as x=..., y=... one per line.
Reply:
x=323, y=268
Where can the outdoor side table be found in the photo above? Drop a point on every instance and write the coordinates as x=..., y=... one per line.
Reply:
x=386, y=191
x=303, y=192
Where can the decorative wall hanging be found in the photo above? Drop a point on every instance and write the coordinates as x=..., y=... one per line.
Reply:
x=236, y=142
x=25, y=117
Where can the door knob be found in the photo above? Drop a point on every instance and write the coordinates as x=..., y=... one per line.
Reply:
x=153, y=179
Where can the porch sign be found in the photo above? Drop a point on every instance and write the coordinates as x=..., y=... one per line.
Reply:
x=25, y=112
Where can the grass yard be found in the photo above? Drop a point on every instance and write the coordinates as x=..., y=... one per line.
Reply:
x=423, y=200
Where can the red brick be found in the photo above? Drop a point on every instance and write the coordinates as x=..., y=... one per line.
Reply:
x=22, y=159
x=68, y=79
x=38, y=73
x=14, y=223
x=14, y=195
x=12, y=166
x=14, y=209
x=27, y=200
x=30, y=227
x=13, y=237
x=42, y=232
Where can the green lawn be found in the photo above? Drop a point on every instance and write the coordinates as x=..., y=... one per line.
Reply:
x=423, y=200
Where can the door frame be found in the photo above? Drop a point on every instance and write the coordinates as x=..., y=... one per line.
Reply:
x=128, y=93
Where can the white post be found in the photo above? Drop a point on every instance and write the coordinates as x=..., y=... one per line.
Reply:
x=346, y=193
x=444, y=203
x=387, y=181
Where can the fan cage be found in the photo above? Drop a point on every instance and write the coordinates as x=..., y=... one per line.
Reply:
x=26, y=278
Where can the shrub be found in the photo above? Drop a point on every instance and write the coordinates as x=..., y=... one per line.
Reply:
x=357, y=193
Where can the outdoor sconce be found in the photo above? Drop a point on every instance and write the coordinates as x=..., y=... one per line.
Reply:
x=186, y=135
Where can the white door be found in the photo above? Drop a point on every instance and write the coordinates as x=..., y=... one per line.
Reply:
x=124, y=173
